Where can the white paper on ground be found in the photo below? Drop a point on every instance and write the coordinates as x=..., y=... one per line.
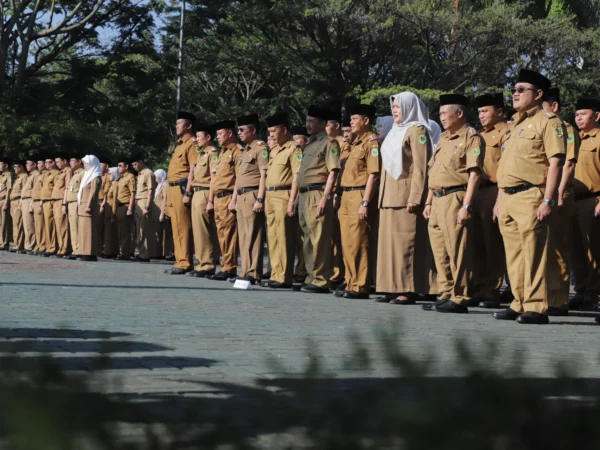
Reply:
x=242, y=284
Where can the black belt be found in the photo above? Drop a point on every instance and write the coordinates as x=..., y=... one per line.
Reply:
x=57, y=199
x=173, y=183
x=487, y=184
x=520, y=188
x=25, y=198
x=586, y=195
x=15, y=198
x=450, y=190
x=354, y=188
x=43, y=201
x=246, y=189
x=120, y=204
x=200, y=188
x=74, y=201
x=223, y=194
x=312, y=187
x=278, y=188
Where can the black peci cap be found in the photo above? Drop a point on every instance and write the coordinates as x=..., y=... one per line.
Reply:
x=318, y=112
x=496, y=100
x=187, y=116
x=224, y=125
x=531, y=77
x=453, y=99
x=587, y=103
x=250, y=119
x=362, y=110
x=277, y=119
x=299, y=131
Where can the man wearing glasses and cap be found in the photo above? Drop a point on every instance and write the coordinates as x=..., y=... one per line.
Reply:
x=529, y=176
x=26, y=201
x=15, y=206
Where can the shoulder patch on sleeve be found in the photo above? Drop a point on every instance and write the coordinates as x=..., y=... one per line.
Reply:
x=265, y=154
x=299, y=157
x=422, y=138
x=374, y=152
x=476, y=151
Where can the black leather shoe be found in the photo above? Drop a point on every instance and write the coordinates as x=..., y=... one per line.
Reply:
x=432, y=307
x=597, y=319
x=32, y=253
x=123, y=258
x=337, y=287
x=138, y=259
x=277, y=285
x=298, y=286
x=557, y=312
x=506, y=296
x=170, y=258
x=384, y=298
x=410, y=300
x=56, y=255
x=192, y=273
x=266, y=275
x=71, y=257
x=490, y=304
x=475, y=301
x=338, y=294
x=176, y=271
x=533, y=318
x=299, y=278
x=22, y=252
x=222, y=275
x=232, y=279
x=47, y=254
x=203, y=273
x=352, y=295
x=87, y=258
x=507, y=314
x=312, y=289
x=451, y=307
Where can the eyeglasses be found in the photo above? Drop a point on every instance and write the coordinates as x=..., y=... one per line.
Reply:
x=521, y=90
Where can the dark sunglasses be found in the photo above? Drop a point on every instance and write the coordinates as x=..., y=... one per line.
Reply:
x=521, y=90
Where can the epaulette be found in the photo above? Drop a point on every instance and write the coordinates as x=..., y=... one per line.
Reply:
x=373, y=137
x=549, y=114
x=472, y=131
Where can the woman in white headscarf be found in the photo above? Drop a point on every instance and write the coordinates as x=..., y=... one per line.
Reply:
x=107, y=212
x=384, y=126
x=404, y=258
x=87, y=208
x=162, y=223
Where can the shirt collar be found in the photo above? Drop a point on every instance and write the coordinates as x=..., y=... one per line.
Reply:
x=186, y=137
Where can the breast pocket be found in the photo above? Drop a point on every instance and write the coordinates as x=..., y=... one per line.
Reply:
x=457, y=158
x=357, y=160
x=528, y=142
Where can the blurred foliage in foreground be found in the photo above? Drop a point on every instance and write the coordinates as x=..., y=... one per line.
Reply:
x=469, y=408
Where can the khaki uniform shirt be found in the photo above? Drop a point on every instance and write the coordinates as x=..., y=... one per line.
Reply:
x=535, y=137
x=207, y=159
x=125, y=188
x=284, y=162
x=17, y=187
x=74, y=184
x=60, y=184
x=6, y=181
x=320, y=157
x=251, y=160
x=587, y=170
x=494, y=138
x=106, y=184
x=49, y=179
x=28, y=184
x=573, y=143
x=224, y=168
x=363, y=160
x=411, y=186
x=453, y=157
x=184, y=157
x=145, y=183
x=38, y=182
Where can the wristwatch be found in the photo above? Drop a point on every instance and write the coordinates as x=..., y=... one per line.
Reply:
x=551, y=203
x=469, y=208
x=365, y=203
x=328, y=197
x=260, y=200
x=188, y=194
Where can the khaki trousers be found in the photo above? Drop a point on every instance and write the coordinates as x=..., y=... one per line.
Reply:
x=281, y=236
x=452, y=246
x=40, y=229
x=5, y=225
x=49, y=226
x=227, y=233
x=17, y=224
x=250, y=227
x=489, y=247
x=405, y=257
x=336, y=246
x=585, y=247
x=205, y=232
x=28, y=225
x=560, y=236
x=124, y=231
x=355, y=234
x=100, y=229
x=62, y=228
x=88, y=236
x=317, y=238
x=73, y=226
x=166, y=238
x=181, y=223
x=298, y=239
x=146, y=243
x=530, y=257
x=111, y=240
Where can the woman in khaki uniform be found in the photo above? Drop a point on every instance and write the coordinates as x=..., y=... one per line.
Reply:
x=87, y=201
x=404, y=257
x=164, y=233
x=107, y=207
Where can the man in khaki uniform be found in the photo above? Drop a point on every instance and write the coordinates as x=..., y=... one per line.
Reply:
x=36, y=209
x=300, y=137
x=489, y=247
x=248, y=198
x=47, y=206
x=529, y=176
x=454, y=174
x=69, y=203
x=282, y=189
x=144, y=197
x=106, y=185
x=203, y=219
x=316, y=184
x=61, y=219
x=358, y=188
x=15, y=207
x=123, y=210
x=6, y=181
x=585, y=230
x=565, y=209
x=223, y=185
x=178, y=209
x=26, y=202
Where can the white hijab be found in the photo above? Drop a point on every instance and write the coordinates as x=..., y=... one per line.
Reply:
x=161, y=176
x=114, y=173
x=384, y=125
x=414, y=112
x=93, y=171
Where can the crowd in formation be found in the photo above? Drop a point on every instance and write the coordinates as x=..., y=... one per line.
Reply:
x=408, y=211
